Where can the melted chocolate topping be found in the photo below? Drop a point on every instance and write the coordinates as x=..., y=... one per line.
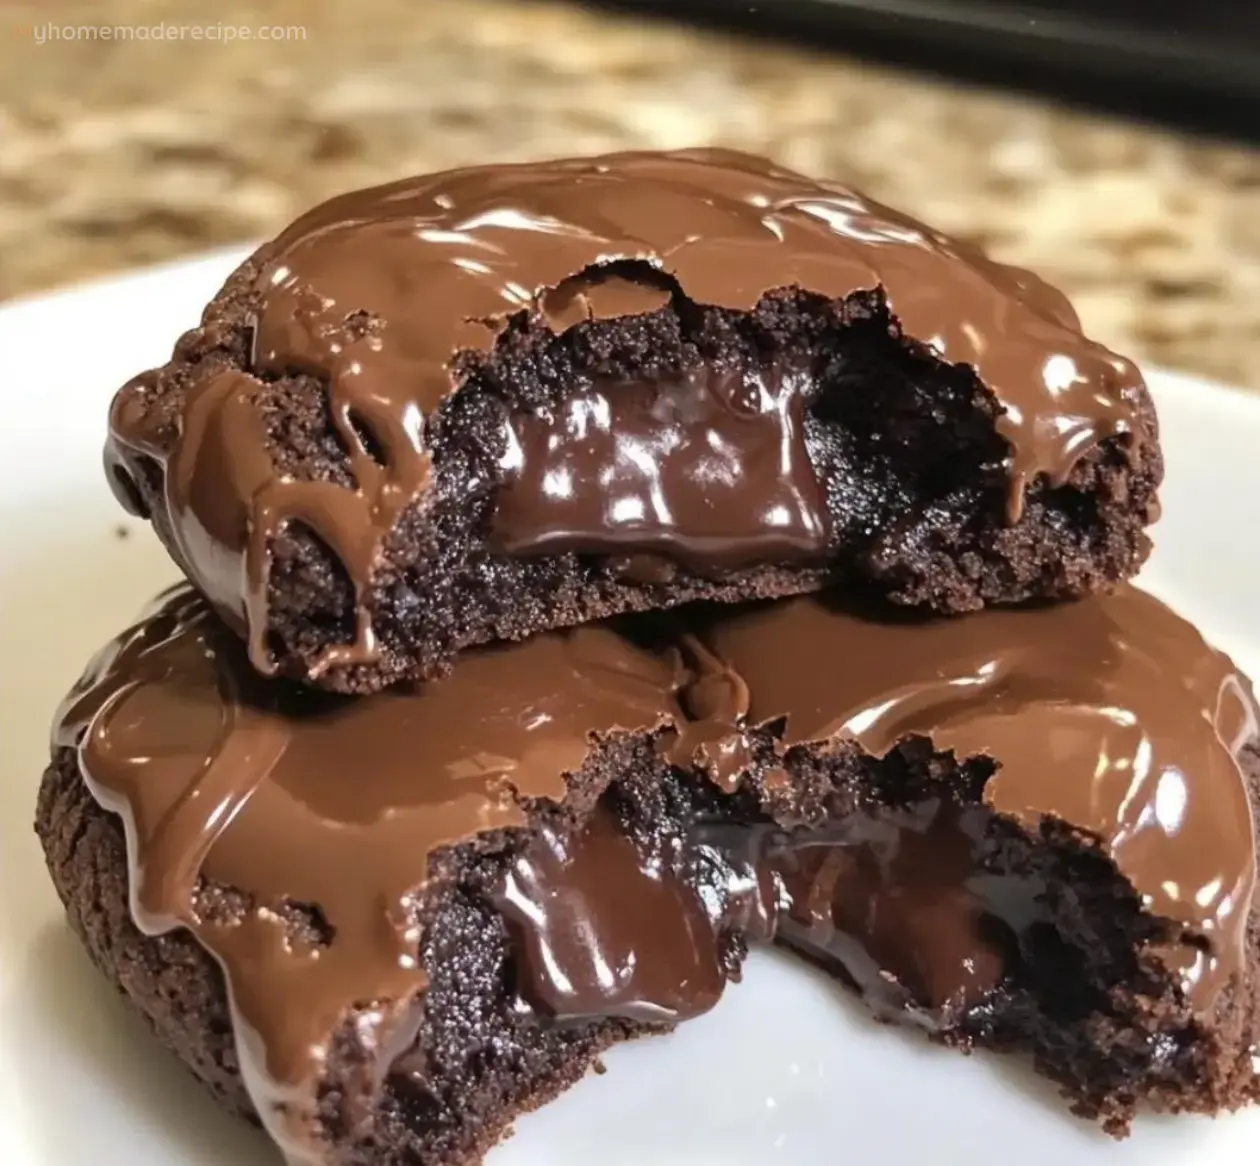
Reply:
x=291, y=797
x=1110, y=714
x=378, y=292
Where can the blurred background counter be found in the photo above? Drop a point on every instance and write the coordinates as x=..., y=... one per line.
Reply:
x=121, y=152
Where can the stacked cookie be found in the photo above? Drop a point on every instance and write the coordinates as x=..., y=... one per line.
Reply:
x=600, y=567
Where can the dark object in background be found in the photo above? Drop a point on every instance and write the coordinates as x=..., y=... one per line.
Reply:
x=1192, y=62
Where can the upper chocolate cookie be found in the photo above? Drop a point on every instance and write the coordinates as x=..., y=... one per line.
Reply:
x=497, y=400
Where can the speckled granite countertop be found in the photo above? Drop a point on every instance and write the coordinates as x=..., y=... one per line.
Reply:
x=119, y=152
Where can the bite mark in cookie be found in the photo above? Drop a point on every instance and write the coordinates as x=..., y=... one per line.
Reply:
x=494, y=401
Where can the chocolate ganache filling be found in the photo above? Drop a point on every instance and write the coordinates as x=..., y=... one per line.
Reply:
x=602, y=931
x=710, y=470
x=394, y=297
x=1109, y=717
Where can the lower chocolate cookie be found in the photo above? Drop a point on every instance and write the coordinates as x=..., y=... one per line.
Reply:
x=575, y=840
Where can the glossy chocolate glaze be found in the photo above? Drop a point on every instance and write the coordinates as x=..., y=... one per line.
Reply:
x=1111, y=714
x=379, y=292
x=288, y=796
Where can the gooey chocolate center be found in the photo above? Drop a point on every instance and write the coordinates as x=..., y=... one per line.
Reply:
x=709, y=470
x=898, y=901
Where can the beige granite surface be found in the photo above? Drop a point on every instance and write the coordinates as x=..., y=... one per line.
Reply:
x=120, y=152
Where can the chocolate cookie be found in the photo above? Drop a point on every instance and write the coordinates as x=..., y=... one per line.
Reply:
x=1025, y=830
x=490, y=402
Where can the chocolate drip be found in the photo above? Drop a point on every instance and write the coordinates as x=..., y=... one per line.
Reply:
x=1110, y=714
x=377, y=292
x=715, y=702
x=896, y=900
x=294, y=799
x=227, y=503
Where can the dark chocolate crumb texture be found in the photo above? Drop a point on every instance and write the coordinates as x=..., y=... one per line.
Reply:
x=490, y=402
x=387, y=926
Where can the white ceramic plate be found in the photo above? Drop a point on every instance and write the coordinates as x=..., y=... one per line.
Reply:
x=787, y=1069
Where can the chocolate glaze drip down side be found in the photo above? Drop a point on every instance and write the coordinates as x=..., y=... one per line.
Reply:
x=293, y=798
x=227, y=503
x=377, y=293
x=1109, y=714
